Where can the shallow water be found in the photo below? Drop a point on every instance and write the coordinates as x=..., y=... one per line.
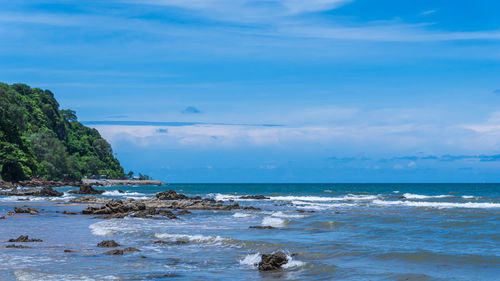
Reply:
x=335, y=231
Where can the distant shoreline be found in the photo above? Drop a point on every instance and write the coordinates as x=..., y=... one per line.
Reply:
x=121, y=182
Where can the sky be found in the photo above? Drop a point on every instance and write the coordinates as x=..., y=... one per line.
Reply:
x=272, y=90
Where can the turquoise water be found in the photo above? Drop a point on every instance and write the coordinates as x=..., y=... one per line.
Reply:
x=333, y=231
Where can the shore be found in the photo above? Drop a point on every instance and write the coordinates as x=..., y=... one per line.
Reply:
x=122, y=182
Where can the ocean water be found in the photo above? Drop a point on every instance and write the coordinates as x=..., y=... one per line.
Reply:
x=329, y=231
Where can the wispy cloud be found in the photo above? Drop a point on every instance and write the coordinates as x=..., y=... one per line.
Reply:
x=428, y=12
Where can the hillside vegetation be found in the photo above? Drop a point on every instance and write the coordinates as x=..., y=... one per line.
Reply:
x=37, y=139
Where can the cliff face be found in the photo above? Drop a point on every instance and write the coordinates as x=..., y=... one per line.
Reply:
x=38, y=139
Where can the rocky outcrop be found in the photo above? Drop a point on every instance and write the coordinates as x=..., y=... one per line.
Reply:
x=17, y=246
x=171, y=195
x=24, y=238
x=262, y=227
x=116, y=208
x=31, y=211
x=6, y=185
x=44, y=192
x=183, y=212
x=272, y=261
x=131, y=249
x=114, y=252
x=108, y=244
x=69, y=213
x=89, y=200
x=257, y=197
x=86, y=189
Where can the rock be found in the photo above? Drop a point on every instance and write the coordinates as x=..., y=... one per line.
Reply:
x=114, y=252
x=17, y=246
x=304, y=211
x=116, y=208
x=68, y=251
x=89, y=200
x=86, y=189
x=250, y=208
x=108, y=244
x=258, y=197
x=121, y=191
x=272, y=261
x=262, y=227
x=131, y=249
x=24, y=238
x=30, y=211
x=69, y=213
x=49, y=192
x=2, y=217
x=183, y=212
x=178, y=242
x=171, y=195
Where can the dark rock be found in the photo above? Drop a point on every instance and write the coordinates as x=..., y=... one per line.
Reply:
x=272, y=261
x=114, y=252
x=262, y=227
x=149, y=213
x=89, y=200
x=250, y=208
x=183, y=212
x=121, y=191
x=178, y=242
x=69, y=213
x=17, y=246
x=24, y=238
x=304, y=211
x=171, y=195
x=2, y=217
x=49, y=192
x=131, y=249
x=86, y=189
x=30, y=211
x=68, y=251
x=108, y=244
x=257, y=197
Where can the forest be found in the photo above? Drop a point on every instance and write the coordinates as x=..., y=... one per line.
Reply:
x=37, y=139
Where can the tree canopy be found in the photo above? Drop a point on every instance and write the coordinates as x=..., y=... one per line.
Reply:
x=37, y=139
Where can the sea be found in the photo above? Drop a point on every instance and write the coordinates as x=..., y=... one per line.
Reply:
x=328, y=232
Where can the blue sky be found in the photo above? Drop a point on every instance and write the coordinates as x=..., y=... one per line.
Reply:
x=272, y=90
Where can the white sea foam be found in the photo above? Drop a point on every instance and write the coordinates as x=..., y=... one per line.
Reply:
x=348, y=197
x=197, y=238
x=117, y=193
x=439, y=205
x=418, y=196
x=280, y=214
x=274, y=222
x=101, y=229
x=468, y=197
x=292, y=263
x=242, y=215
x=251, y=260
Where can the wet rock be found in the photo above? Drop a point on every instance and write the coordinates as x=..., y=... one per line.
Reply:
x=183, y=212
x=116, y=208
x=262, y=227
x=69, y=213
x=131, y=249
x=114, y=252
x=86, y=189
x=171, y=195
x=6, y=185
x=250, y=208
x=2, y=217
x=17, y=246
x=149, y=213
x=68, y=251
x=24, y=238
x=272, y=261
x=257, y=197
x=30, y=211
x=44, y=192
x=89, y=200
x=49, y=192
x=108, y=244
x=304, y=211
x=179, y=242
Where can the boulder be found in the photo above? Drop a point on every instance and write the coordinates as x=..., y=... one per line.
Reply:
x=86, y=189
x=114, y=252
x=49, y=192
x=24, y=238
x=108, y=244
x=30, y=211
x=272, y=261
x=17, y=246
x=257, y=197
x=69, y=213
x=262, y=227
x=171, y=195
x=131, y=249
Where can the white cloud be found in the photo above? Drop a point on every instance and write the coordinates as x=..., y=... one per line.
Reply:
x=428, y=12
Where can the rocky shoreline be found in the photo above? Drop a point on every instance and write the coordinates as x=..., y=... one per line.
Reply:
x=37, y=182
x=161, y=206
